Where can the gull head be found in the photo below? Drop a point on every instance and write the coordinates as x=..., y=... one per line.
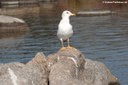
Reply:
x=67, y=13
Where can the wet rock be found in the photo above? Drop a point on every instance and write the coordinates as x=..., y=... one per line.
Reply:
x=32, y=73
x=11, y=24
x=69, y=67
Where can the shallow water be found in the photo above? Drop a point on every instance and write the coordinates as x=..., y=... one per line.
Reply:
x=101, y=38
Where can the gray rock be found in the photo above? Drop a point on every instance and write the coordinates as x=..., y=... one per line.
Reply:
x=69, y=67
x=95, y=12
x=66, y=67
x=32, y=73
x=9, y=19
x=10, y=24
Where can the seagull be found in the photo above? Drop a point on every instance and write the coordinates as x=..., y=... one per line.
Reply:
x=65, y=28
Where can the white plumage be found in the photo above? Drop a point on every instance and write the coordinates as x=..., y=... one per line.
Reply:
x=65, y=28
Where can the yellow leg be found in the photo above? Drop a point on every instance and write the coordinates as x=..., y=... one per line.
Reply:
x=63, y=48
x=69, y=43
x=62, y=44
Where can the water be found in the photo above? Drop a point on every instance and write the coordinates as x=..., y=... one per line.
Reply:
x=101, y=38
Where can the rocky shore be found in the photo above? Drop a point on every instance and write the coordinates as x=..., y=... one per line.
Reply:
x=67, y=67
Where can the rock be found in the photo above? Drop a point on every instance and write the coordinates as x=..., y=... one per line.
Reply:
x=95, y=12
x=69, y=67
x=39, y=63
x=32, y=73
x=18, y=2
x=9, y=2
x=8, y=19
x=11, y=24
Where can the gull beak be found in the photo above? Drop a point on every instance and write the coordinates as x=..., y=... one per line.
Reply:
x=72, y=14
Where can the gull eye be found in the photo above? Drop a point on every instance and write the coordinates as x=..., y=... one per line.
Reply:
x=67, y=12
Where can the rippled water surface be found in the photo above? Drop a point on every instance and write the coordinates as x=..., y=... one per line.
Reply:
x=101, y=38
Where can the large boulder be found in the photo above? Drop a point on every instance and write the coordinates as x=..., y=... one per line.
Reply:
x=12, y=24
x=66, y=67
x=69, y=67
x=32, y=73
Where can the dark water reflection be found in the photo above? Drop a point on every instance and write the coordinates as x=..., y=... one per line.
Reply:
x=102, y=38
